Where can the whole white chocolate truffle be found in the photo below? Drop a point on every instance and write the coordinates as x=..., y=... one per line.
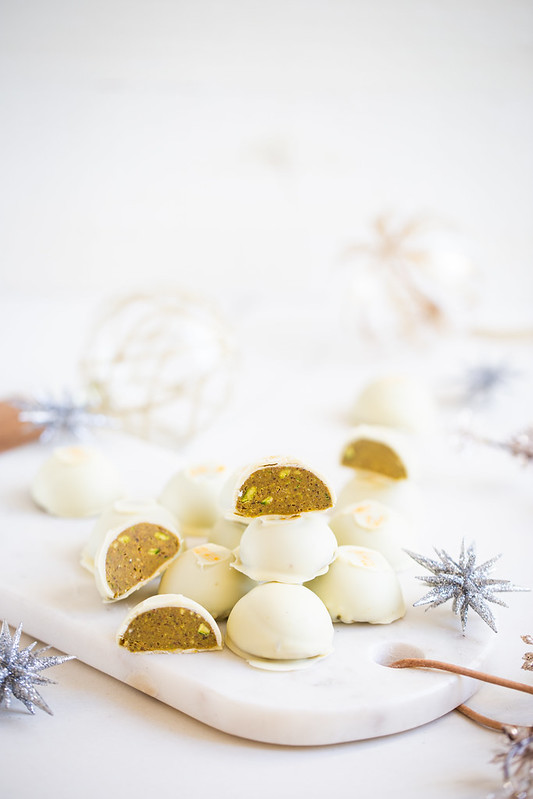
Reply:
x=373, y=525
x=203, y=573
x=401, y=495
x=227, y=532
x=276, y=622
x=192, y=495
x=360, y=586
x=118, y=517
x=375, y=449
x=76, y=482
x=398, y=401
x=287, y=550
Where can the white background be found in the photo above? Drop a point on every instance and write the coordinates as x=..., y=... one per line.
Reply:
x=224, y=145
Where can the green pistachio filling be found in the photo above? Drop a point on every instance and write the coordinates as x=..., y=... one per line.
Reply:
x=283, y=491
x=374, y=456
x=137, y=554
x=168, y=629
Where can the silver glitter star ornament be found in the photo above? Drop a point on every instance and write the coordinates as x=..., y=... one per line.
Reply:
x=67, y=416
x=20, y=668
x=468, y=585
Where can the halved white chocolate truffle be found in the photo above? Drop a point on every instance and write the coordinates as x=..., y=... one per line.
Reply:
x=287, y=550
x=277, y=487
x=399, y=401
x=134, y=553
x=360, y=586
x=379, y=450
x=276, y=625
x=122, y=514
x=227, y=532
x=192, y=495
x=204, y=574
x=169, y=623
x=374, y=525
x=76, y=482
x=402, y=495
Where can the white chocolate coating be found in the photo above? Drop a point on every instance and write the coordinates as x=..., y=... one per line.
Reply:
x=360, y=586
x=397, y=401
x=171, y=601
x=232, y=487
x=205, y=575
x=120, y=515
x=278, y=622
x=395, y=440
x=401, y=495
x=227, y=532
x=123, y=515
x=289, y=550
x=192, y=495
x=373, y=525
x=76, y=482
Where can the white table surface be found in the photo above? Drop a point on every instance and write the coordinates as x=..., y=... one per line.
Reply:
x=218, y=146
x=104, y=733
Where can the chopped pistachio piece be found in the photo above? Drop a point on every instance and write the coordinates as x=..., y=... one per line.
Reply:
x=249, y=494
x=154, y=551
x=161, y=536
x=203, y=629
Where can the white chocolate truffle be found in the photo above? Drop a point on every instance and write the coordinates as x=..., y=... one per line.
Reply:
x=360, y=586
x=397, y=401
x=379, y=450
x=203, y=573
x=122, y=514
x=277, y=487
x=227, y=532
x=287, y=550
x=373, y=525
x=134, y=552
x=401, y=495
x=169, y=623
x=279, y=625
x=76, y=482
x=192, y=495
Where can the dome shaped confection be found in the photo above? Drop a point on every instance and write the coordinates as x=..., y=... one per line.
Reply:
x=169, y=623
x=227, y=532
x=204, y=574
x=76, y=482
x=192, y=495
x=375, y=450
x=131, y=543
x=360, y=586
x=280, y=627
x=289, y=550
x=398, y=401
x=372, y=524
x=278, y=487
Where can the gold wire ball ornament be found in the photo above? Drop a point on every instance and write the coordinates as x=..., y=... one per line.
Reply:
x=405, y=282
x=161, y=364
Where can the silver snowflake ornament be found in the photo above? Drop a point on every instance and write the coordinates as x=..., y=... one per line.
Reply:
x=468, y=585
x=62, y=416
x=517, y=764
x=20, y=670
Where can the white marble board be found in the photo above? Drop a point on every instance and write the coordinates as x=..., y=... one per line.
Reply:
x=348, y=696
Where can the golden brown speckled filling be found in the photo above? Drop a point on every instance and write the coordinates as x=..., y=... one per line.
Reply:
x=283, y=491
x=374, y=456
x=168, y=629
x=137, y=554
